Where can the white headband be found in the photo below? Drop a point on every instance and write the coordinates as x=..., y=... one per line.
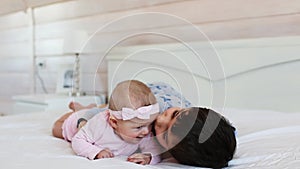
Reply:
x=141, y=113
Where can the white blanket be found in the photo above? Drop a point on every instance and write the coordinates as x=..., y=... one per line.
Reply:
x=266, y=139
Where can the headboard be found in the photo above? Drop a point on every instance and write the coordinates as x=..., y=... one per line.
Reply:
x=260, y=73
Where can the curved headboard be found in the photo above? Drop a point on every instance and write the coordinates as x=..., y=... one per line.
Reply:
x=257, y=73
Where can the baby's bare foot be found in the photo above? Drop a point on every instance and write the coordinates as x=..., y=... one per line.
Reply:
x=75, y=106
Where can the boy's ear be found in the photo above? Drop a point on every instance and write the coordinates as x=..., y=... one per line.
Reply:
x=113, y=122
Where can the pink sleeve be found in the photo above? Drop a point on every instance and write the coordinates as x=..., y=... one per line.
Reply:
x=150, y=145
x=83, y=143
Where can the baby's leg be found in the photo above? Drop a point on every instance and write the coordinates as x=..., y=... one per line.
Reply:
x=75, y=106
x=57, y=127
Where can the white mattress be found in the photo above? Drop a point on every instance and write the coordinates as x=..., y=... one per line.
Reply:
x=266, y=139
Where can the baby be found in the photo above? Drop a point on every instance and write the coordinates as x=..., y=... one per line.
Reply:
x=121, y=130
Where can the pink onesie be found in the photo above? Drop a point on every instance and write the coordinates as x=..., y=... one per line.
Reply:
x=69, y=127
x=97, y=135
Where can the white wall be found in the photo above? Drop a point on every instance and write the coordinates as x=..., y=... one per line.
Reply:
x=233, y=19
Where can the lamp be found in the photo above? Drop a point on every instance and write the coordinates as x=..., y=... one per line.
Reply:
x=73, y=44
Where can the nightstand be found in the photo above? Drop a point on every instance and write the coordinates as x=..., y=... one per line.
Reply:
x=51, y=102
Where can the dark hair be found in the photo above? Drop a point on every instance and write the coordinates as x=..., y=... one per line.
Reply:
x=215, y=151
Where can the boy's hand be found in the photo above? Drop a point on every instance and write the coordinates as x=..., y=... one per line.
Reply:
x=140, y=158
x=105, y=153
x=81, y=123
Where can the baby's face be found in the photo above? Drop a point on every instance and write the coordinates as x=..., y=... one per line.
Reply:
x=134, y=130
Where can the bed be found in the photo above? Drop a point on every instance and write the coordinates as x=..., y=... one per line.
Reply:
x=257, y=89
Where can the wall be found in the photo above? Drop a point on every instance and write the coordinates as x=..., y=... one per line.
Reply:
x=254, y=74
x=233, y=19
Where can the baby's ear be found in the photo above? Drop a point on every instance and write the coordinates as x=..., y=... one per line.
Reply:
x=113, y=122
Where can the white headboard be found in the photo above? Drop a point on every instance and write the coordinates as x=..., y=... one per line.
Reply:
x=249, y=74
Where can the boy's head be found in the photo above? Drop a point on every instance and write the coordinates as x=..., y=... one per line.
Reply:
x=181, y=136
x=133, y=108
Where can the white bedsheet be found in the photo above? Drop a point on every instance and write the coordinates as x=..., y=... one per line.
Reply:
x=266, y=139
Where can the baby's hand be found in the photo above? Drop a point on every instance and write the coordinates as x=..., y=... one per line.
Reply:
x=140, y=158
x=105, y=153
